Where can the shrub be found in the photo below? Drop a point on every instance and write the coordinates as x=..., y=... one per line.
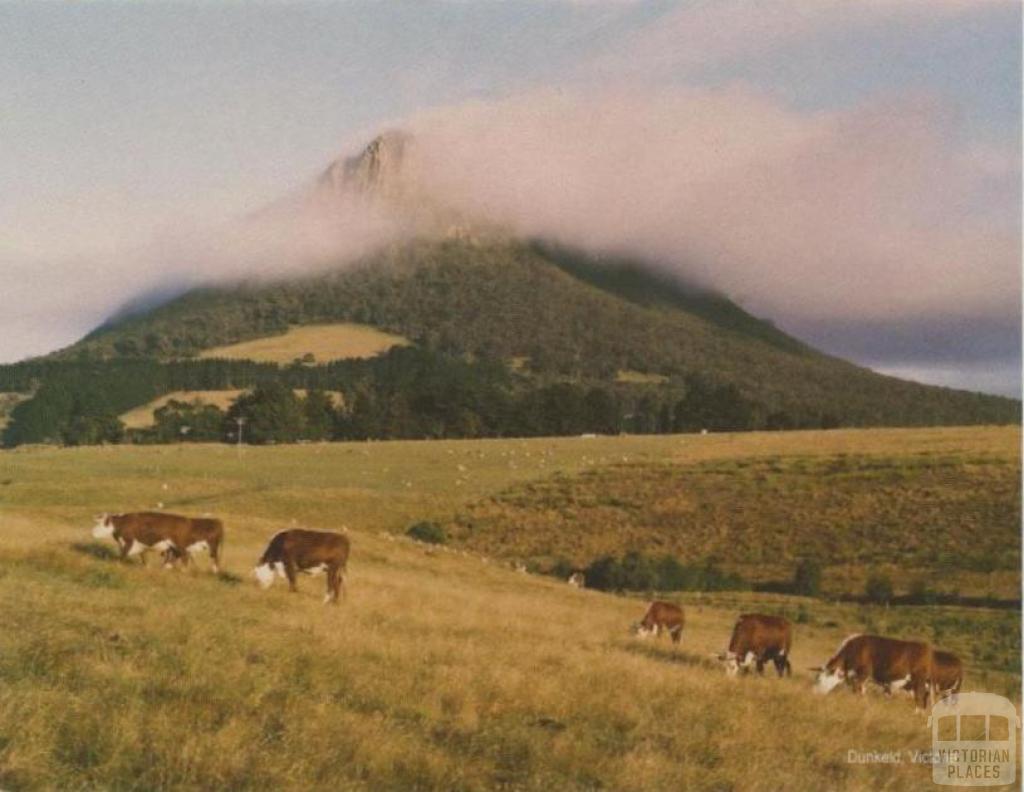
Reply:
x=807, y=578
x=638, y=572
x=561, y=569
x=429, y=532
x=878, y=588
x=921, y=593
x=604, y=574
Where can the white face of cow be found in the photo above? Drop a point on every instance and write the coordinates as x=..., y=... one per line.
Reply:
x=734, y=663
x=104, y=526
x=264, y=574
x=640, y=631
x=826, y=680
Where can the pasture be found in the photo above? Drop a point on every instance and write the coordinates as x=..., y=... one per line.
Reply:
x=325, y=342
x=142, y=417
x=444, y=669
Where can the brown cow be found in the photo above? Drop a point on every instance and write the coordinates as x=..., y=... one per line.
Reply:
x=947, y=675
x=885, y=661
x=757, y=638
x=661, y=617
x=136, y=533
x=313, y=552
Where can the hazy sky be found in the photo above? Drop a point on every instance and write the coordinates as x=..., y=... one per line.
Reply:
x=848, y=168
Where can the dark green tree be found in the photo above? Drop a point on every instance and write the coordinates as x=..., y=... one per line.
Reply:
x=272, y=413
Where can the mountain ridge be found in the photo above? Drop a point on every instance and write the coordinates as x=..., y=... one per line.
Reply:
x=504, y=300
x=533, y=324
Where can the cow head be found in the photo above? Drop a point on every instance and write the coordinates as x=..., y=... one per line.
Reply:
x=264, y=574
x=103, y=527
x=641, y=630
x=827, y=678
x=734, y=663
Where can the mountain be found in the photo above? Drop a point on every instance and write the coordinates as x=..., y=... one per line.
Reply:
x=528, y=315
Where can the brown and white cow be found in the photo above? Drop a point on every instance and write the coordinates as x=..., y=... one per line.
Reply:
x=758, y=639
x=947, y=674
x=577, y=580
x=312, y=552
x=177, y=537
x=661, y=617
x=885, y=661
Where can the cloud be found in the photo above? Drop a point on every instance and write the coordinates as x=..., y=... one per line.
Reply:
x=70, y=264
x=698, y=35
x=872, y=212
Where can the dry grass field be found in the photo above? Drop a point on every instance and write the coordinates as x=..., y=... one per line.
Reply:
x=324, y=342
x=946, y=523
x=8, y=401
x=443, y=669
x=141, y=417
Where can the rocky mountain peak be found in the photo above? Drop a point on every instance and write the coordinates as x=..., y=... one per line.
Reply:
x=376, y=169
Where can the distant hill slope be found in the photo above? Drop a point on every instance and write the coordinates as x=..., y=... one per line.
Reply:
x=310, y=344
x=760, y=516
x=571, y=318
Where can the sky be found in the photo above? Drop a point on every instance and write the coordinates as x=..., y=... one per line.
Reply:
x=849, y=169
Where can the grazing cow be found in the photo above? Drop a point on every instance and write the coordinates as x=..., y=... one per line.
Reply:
x=947, y=675
x=884, y=661
x=757, y=639
x=313, y=552
x=661, y=617
x=576, y=580
x=177, y=537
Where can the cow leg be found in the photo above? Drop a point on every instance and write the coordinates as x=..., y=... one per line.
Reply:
x=289, y=571
x=920, y=687
x=780, y=664
x=677, y=634
x=760, y=665
x=333, y=585
x=215, y=555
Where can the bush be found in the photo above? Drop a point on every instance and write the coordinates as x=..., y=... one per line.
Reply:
x=639, y=572
x=921, y=593
x=878, y=588
x=429, y=532
x=807, y=578
x=561, y=569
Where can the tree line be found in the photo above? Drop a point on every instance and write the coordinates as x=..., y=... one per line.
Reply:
x=406, y=393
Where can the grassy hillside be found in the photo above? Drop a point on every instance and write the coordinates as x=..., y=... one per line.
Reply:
x=942, y=521
x=322, y=343
x=8, y=401
x=568, y=317
x=140, y=417
x=441, y=670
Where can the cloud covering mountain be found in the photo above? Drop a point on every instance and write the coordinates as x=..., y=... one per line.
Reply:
x=839, y=202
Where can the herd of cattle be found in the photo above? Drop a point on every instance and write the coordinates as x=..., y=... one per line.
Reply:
x=178, y=538
x=757, y=639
